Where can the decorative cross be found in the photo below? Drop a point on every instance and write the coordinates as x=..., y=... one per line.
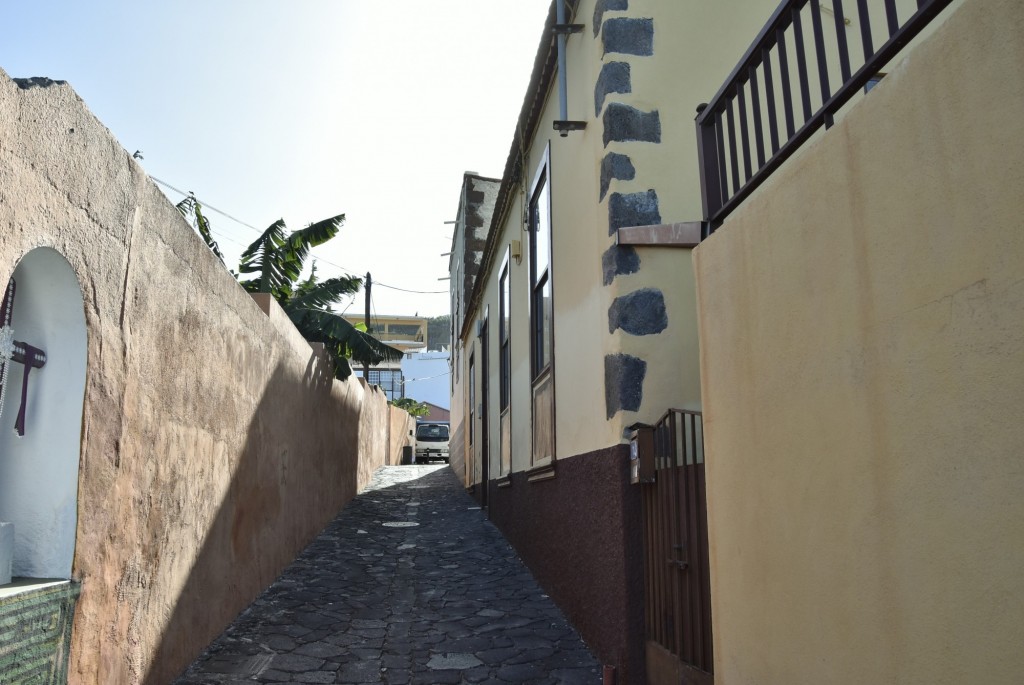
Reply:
x=17, y=351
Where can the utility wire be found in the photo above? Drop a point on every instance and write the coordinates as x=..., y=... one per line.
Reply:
x=404, y=290
x=207, y=205
x=427, y=378
x=350, y=272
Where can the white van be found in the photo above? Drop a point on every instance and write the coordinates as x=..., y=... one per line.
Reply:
x=431, y=441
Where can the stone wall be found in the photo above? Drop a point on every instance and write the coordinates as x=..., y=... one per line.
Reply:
x=214, y=442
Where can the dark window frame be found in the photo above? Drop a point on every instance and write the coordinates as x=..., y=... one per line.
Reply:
x=540, y=274
x=504, y=336
x=472, y=395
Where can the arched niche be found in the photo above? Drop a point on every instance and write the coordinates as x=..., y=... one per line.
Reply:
x=39, y=471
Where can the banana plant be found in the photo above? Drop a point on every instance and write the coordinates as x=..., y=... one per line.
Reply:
x=275, y=262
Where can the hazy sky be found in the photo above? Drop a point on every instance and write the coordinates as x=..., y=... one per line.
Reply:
x=302, y=110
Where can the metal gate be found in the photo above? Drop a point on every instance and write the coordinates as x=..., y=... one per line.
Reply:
x=677, y=574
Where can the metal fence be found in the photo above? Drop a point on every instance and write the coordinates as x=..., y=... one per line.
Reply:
x=677, y=582
x=769, y=105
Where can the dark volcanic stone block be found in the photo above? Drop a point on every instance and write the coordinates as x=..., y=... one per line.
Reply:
x=614, y=78
x=615, y=165
x=639, y=313
x=623, y=383
x=632, y=209
x=629, y=36
x=624, y=123
x=618, y=261
x=603, y=6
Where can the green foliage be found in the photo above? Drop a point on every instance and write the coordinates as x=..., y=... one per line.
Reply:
x=276, y=259
x=193, y=212
x=439, y=332
x=412, y=406
x=279, y=257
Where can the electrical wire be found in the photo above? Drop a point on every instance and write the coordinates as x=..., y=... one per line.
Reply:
x=347, y=271
x=427, y=378
x=418, y=292
x=207, y=205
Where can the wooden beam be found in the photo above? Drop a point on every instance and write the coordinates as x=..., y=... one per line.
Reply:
x=684, y=234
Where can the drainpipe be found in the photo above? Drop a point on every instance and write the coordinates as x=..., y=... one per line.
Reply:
x=562, y=30
x=563, y=107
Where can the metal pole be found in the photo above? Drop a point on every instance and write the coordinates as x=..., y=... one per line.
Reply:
x=562, y=76
x=366, y=321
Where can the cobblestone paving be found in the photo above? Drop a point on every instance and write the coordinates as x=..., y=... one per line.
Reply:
x=409, y=584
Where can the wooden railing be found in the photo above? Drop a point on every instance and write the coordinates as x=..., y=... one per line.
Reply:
x=737, y=150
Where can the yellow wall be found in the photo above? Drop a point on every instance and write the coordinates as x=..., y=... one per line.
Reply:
x=696, y=46
x=580, y=236
x=862, y=359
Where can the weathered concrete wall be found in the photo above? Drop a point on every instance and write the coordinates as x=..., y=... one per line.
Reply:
x=862, y=344
x=214, y=442
x=399, y=425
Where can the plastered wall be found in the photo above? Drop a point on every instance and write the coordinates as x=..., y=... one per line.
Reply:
x=635, y=74
x=214, y=441
x=862, y=360
x=400, y=424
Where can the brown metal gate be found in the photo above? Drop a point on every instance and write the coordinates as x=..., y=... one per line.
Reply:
x=677, y=574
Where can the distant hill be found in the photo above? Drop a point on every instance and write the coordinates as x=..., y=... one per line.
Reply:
x=439, y=332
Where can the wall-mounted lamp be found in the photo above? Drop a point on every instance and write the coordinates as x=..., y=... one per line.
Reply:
x=515, y=248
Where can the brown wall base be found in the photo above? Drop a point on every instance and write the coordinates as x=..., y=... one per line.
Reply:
x=580, y=535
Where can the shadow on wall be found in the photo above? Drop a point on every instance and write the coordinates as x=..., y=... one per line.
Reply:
x=298, y=468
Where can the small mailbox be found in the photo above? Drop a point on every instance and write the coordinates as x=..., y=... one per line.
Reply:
x=641, y=454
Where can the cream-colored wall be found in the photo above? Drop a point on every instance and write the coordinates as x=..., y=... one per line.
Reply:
x=214, y=441
x=862, y=342
x=696, y=45
x=580, y=232
x=457, y=422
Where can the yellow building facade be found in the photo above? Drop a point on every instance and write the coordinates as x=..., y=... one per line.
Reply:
x=564, y=339
x=589, y=299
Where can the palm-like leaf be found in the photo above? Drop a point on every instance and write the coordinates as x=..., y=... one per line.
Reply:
x=341, y=338
x=279, y=258
x=266, y=258
x=323, y=326
x=191, y=206
x=298, y=244
x=320, y=295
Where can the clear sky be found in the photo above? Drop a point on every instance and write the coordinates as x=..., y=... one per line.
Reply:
x=302, y=110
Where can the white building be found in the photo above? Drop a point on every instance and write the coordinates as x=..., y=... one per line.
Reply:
x=426, y=377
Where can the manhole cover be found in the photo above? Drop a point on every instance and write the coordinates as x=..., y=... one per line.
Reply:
x=400, y=524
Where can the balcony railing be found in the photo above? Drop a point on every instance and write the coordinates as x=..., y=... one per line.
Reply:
x=775, y=74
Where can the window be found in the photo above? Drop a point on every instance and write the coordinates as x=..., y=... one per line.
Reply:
x=540, y=270
x=504, y=346
x=541, y=322
x=408, y=330
x=505, y=369
x=389, y=380
x=432, y=432
x=472, y=398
